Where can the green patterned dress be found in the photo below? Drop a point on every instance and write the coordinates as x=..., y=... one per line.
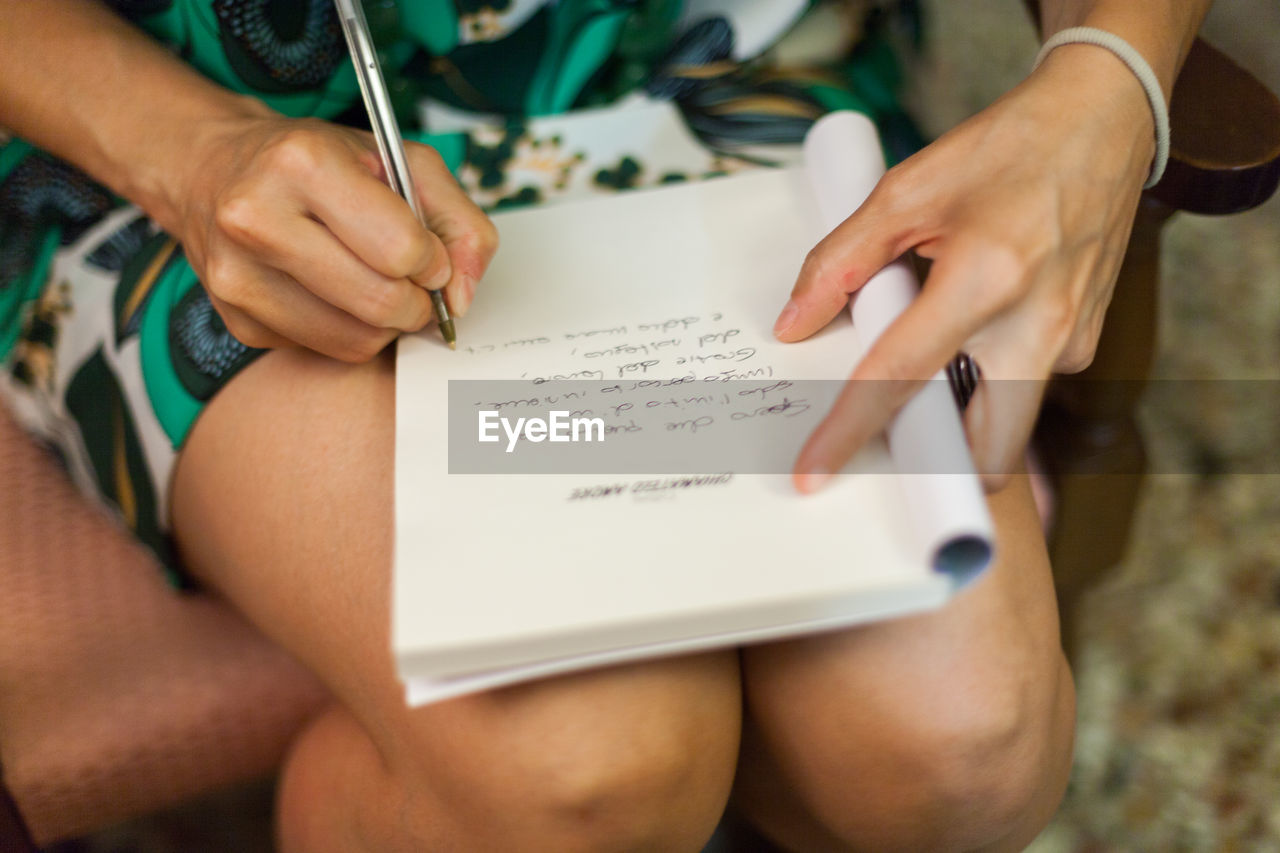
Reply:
x=109, y=346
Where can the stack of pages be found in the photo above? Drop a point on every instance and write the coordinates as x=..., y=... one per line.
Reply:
x=651, y=312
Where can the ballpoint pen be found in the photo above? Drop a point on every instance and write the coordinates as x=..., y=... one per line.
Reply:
x=386, y=131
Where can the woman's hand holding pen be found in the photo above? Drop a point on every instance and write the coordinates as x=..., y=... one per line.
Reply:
x=1025, y=211
x=288, y=222
x=293, y=231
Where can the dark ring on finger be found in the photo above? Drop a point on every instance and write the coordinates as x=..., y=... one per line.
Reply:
x=963, y=373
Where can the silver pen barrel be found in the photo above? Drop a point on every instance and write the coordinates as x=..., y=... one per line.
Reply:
x=386, y=130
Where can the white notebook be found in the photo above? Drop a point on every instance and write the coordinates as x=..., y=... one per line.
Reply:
x=671, y=292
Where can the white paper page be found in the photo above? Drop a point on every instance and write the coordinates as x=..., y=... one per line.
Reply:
x=497, y=572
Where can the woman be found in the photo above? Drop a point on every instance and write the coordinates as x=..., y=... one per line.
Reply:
x=950, y=730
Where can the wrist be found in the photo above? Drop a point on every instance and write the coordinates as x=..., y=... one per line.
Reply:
x=1092, y=86
x=182, y=150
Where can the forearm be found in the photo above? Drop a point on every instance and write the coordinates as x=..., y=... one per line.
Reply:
x=85, y=85
x=1160, y=30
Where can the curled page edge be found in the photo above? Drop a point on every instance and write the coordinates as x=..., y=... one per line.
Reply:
x=926, y=438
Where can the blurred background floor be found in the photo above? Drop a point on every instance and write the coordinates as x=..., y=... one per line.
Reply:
x=1178, y=671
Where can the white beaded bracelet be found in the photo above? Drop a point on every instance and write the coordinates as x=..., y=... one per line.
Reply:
x=1130, y=57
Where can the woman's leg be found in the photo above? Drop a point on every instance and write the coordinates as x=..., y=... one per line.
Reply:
x=282, y=502
x=950, y=729
x=945, y=731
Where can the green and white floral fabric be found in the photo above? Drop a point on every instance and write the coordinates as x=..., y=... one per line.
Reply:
x=110, y=347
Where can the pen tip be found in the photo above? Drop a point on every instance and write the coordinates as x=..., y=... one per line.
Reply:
x=447, y=332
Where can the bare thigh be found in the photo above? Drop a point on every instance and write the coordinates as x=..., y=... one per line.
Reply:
x=282, y=503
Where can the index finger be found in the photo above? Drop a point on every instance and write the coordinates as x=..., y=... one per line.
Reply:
x=910, y=352
x=842, y=262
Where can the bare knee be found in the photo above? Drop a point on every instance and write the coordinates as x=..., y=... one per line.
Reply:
x=659, y=788
x=637, y=759
x=970, y=770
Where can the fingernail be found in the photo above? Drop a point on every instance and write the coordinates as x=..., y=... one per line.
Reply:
x=813, y=481
x=786, y=318
x=444, y=271
x=460, y=296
